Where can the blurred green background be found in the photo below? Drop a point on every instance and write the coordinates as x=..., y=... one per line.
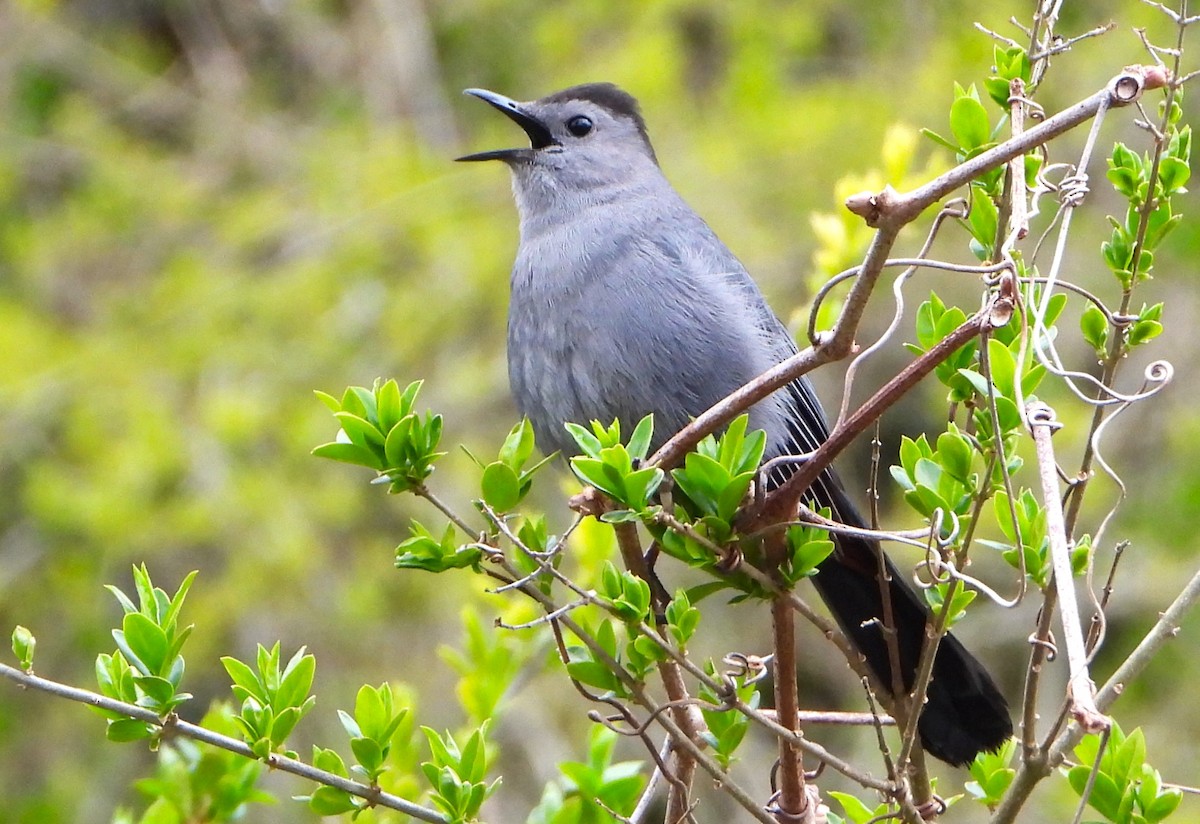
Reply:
x=209, y=208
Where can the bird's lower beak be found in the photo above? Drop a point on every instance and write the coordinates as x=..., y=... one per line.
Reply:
x=539, y=135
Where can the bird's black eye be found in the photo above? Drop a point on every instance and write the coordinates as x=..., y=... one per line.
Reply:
x=579, y=125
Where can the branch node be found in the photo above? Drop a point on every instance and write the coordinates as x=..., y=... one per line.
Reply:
x=588, y=502
x=872, y=207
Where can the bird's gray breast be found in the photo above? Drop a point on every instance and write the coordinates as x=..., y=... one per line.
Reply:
x=615, y=316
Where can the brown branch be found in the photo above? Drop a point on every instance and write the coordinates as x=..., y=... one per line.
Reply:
x=687, y=717
x=793, y=801
x=785, y=498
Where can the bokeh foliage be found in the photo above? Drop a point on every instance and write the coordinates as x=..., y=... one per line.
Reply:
x=209, y=209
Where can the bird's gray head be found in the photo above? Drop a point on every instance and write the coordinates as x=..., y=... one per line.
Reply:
x=583, y=140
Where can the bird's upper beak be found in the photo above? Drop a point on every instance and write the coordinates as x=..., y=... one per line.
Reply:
x=539, y=135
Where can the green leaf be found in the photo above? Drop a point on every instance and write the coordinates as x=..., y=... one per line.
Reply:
x=388, y=405
x=983, y=220
x=159, y=691
x=926, y=325
x=594, y=674
x=620, y=516
x=360, y=431
x=639, y=441
x=1032, y=379
x=368, y=753
x=245, y=678
x=128, y=729
x=856, y=811
x=1129, y=757
x=369, y=712
x=126, y=604
x=969, y=123
x=146, y=641
x=282, y=724
x=998, y=90
x=296, y=680
x=809, y=555
x=330, y=801
x=955, y=454
x=938, y=139
x=599, y=474
x=518, y=445
x=349, y=723
x=348, y=453
x=176, y=604
x=1173, y=173
x=329, y=400
x=23, y=646
x=1003, y=367
x=587, y=442
x=329, y=761
x=500, y=486
x=1144, y=330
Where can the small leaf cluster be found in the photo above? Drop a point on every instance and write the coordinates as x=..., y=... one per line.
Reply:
x=808, y=546
x=938, y=478
x=424, y=550
x=380, y=430
x=717, y=475
x=682, y=619
x=626, y=595
x=1130, y=174
x=591, y=669
x=375, y=721
x=936, y=596
x=506, y=481
x=1145, y=326
x=1008, y=374
x=1009, y=380
x=273, y=700
x=610, y=465
x=1029, y=532
x=535, y=536
x=628, y=598
x=147, y=667
x=1009, y=63
x=589, y=789
x=992, y=774
x=199, y=782
x=487, y=665
x=935, y=322
x=1126, y=790
x=713, y=483
x=458, y=776
x=23, y=646
x=726, y=728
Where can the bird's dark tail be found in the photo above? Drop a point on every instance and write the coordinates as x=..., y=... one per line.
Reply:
x=964, y=714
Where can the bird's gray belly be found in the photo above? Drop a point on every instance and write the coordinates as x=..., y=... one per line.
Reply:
x=571, y=359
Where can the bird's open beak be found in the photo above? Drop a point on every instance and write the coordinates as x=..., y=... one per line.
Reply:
x=539, y=135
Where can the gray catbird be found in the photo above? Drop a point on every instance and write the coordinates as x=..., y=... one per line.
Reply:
x=624, y=303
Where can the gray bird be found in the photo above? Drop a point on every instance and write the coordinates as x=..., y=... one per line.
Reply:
x=625, y=303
